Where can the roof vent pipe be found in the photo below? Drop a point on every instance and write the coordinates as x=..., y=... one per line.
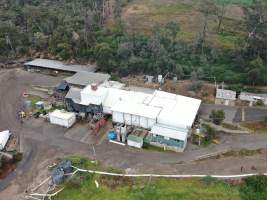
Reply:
x=94, y=86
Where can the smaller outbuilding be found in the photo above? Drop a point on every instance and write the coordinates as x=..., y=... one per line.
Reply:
x=225, y=97
x=4, y=137
x=253, y=98
x=135, y=141
x=47, y=65
x=62, y=118
x=39, y=105
x=82, y=79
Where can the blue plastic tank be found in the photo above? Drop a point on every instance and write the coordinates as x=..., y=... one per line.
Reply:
x=112, y=135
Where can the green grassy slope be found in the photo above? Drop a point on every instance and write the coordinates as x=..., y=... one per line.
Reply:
x=142, y=15
x=83, y=187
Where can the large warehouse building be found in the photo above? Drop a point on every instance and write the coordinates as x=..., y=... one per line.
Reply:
x=168, y=117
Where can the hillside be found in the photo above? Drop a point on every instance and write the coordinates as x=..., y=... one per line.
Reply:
x=141, y=16
x=224, y=40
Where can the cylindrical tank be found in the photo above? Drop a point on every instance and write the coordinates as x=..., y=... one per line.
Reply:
x=57, y=176
x=65, y=165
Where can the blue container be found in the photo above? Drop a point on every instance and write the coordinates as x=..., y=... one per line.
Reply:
x=65, y=165
x=112, y=135
x=57, y=176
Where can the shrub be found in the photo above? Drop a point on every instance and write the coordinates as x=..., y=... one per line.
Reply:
x=254, y=188
x=217, y=116
x=259, y=102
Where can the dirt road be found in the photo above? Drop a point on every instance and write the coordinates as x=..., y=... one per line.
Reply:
x=44, y=143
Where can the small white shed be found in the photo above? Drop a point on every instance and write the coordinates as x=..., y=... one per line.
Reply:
x=4, y=136
x=135, y=141
x=62, y=118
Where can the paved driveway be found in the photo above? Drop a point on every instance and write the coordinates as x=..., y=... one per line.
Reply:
x=251, y=114
x=230, y=111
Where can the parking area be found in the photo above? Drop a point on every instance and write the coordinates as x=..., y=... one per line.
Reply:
x=230, y=111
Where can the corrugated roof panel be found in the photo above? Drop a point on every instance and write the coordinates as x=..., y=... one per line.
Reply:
x=87, y=78
x=58, y=65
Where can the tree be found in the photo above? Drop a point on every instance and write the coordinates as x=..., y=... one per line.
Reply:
x=217, y=116
x=207, y=8
x=220, y=13
x=117, y=10
x=256, y=72
x=104, y=56
x=256, y=26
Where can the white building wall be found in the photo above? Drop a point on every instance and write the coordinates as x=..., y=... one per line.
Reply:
x=144, y=122
x=133, y=120
x=62, y=121
x=117, y=117
x=134, y=144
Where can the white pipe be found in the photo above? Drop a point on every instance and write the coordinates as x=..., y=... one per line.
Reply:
x=40, y=184
x=46, y=195
x=115, y=142
x=167, y=175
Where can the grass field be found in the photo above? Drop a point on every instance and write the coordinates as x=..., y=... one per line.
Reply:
x=83, y=187
x=143, y=15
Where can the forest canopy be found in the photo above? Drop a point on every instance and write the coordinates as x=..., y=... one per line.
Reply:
x=81, y=30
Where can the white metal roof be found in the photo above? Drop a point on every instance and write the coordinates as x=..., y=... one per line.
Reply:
x=4, y=136
x=114, y=95
x=61, y=114
x=170, y=132
x=163, y=100
x=225, y=94
x=167, y=108
x=252, y=95
x=136, y=109
x=58, y=65
x=182, y=114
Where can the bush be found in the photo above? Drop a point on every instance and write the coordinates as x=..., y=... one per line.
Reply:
x=217, y=116
x=254, y=188
x=210, y=134
x=259, y=102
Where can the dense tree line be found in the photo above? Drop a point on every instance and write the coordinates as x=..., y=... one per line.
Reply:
x=77, y=29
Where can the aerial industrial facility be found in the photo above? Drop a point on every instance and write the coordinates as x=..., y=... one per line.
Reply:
x=169, y=117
